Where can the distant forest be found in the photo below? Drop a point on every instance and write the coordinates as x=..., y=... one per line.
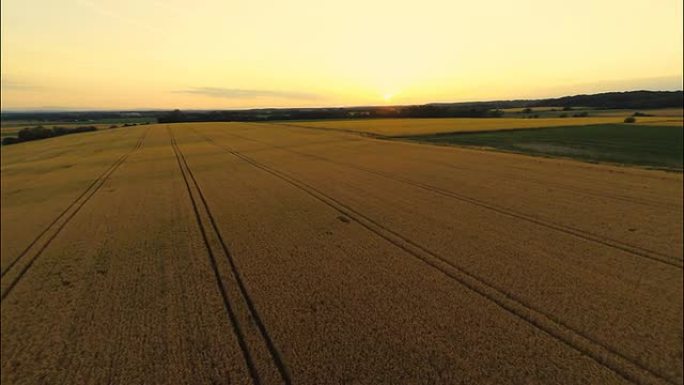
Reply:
x=28, y=134
x=609, y=100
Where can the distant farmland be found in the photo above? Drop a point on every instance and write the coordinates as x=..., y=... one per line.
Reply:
x=401, y=127
x=657, y=146
x=652, y=141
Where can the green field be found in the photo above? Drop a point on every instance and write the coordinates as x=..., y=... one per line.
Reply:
x=649, y=146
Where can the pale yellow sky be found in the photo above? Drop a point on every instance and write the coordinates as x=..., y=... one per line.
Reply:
x=229, y=54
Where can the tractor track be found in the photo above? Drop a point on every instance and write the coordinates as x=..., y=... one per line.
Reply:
x=557, y=186
x=190, y=180
x=390, y=139
x=626, y=367
x=575, y=232
x=560, y=186
x=55, y=227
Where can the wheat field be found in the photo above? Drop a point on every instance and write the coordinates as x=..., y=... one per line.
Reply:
x=236, y=253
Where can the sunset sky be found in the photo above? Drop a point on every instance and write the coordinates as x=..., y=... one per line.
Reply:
x=119, y=54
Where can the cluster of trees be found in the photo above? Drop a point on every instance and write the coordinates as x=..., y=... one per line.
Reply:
x=437, y=111
x=610, y=100
x=80, y=117
x=39, y=132
x=530, y=113
x=129, y=125
x=421, y=111
x=637, y=113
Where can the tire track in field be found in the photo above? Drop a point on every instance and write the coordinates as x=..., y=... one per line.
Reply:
x=402, y=139
x=198, y=202
x=342, y=130
x=45, y=238
x=573, y=231
x=559, y=186
x=63, y=213
x=540, y=182
x=626, y=367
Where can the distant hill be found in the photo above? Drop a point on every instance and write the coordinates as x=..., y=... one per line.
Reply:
x=628, y=100
x=606, y=100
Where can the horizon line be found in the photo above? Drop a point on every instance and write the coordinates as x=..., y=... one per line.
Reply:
x=48, y=109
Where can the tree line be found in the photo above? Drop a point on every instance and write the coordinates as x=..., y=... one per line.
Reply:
x=27, y=134
x=421, y=111
x=485, y=109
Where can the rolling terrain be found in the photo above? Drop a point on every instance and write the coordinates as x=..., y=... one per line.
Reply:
x=305, y=253
x=657, y=146
x=403, y=127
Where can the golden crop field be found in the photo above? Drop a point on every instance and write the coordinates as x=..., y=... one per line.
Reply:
x=234, y=253
x=399, y=127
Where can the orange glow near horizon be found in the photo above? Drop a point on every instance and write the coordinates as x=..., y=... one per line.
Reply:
x=177, y=54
